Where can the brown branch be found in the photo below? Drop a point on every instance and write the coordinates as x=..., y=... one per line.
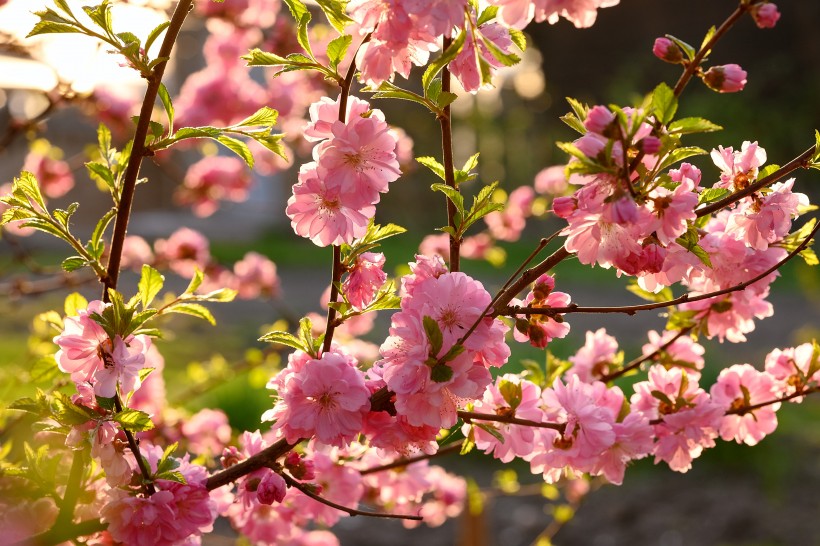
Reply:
x=406, y=461
x=686, y=298
x=147, y=482
x=264, y=459
x=445, y=120
x=529, y=276
x=55, y=536
x=352, y=511
x=138, y=149
x=748, y=409
x=25, y=287
x=471, y=415
x=693, y=66
x=651, y=356
x=801, y=161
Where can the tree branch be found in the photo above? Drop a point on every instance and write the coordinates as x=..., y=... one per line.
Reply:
x=471, y=415
x=651, y=356
x=399, y=463
x=445, y=120
x=264, y=459
x=352, y=511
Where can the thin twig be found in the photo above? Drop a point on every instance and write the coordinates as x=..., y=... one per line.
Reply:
x=138, y=149
x=801, y=161
x=651, y=356
x=686, y=298
x=352, y=511
x=445, y=120
x=406, y=461
x=472, y=415
x=692, y=67
x=265, y=458
x=529, y=276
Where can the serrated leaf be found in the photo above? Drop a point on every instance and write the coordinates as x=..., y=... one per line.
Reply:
x=193, y=309
x=44, y=369
x=165, y=98
x=432, y=164
x=134, y=420
x=264, y=116
x=238, y=147
x=334, y=10
x=711, y=195
x=150, y=283
x=219, y=295
x=106, y=403
x=518, y=38
x=154, y=34
x=767, y=170
x=679, y=154
x=664, y=103
x=535, y=372
x=51, y=27
x=68, y=413
x=434, y=335
x=709, y=34
x=196, y=281
x=28, y=186
x=272, y=143
x=197, y=132
x=693, y=125
x=809, y=256
x=487, y=15
x=29, y=405
x=507, y=59
x=284, y=338
x=73, y=303
x=452, y=194
x=257, y=57
x=436, y=66
x=72, y=263
x=96, y=242
x=171, y=476
x=388, y=90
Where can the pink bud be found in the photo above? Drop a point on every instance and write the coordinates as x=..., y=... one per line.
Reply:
x=271, y=488
x=728, y=78
x=650, y=145
x=564, y=206
x=765, y=15
x=666, y=50
x=598, y=118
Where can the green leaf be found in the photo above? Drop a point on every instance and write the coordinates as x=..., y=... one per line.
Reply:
x=171, y=476
x=664, y=103
x=507, y=59
x=693, y=125
x=518, y=38
x=52, y=27
x=441, y=373
x=534, y=372
x=434, y=335
x=284, y=338
x=63, y=216
x=487, y=15
x=197, y=132
x=28, y=186
x=238, y=147
x=491, y=430
x=73, y=303
x=688, y=50
x=154, y=34
x=101, y=15
x=45, y=226
x=710, y=195
x=335, y=12
x=165, y=98
x=452, y=194
x=388, y=90
x=709, y=34
x=432, y=164
x=196, y=281
x=193, y=309
x=265, y=116
x=134, y=420
x=150, y=283
x=454, y=351
x=220, y=295
x=72, y=263
x=44, y=369
x=101, y=172
x=767, y=170
x=436, y=66
x=257, y=57
x=96, y=243
x=67, y=412
x=678, y=155
x=272, y=143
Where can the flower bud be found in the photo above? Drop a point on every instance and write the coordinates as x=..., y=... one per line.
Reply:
x=728, y=78
x=667, y=50
x=650, y=145
x=564, y=206
x=272, y=488
x=598, y=119
x=765, y=15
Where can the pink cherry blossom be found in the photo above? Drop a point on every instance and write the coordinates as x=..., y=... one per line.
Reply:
x=121, y=367
x=765, y=15
x=365, y=279
x=184, y=251
x=82, y=344
x=327, y=398
x=54, y=175
x=666, y=50
x=467, y=66
x=211, y=180
x=539, y=330
x=508, y=224
x=767, y=219
x=325, y=112
x=728, y=78
x=551, y=181
x=207, y=431
x=684, y=352
x=256, y=276
x=738, y=169
x=597, y=358
x=136, y=252
x=794, y=368
x=339, y=483
x=326, y=215
x=741, y=386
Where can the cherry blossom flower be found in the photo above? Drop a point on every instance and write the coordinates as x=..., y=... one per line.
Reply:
x=54, y=175
x=741, y=386
x=684, y=352
x=666, y=50
x=365, y=279
x=255, y=276
x=211, y=180
x=539, y=330
x=728, y=78
x=738, y=169
x=596, y=358
x=765, y=15
x=467, y=66
x=794, y=368
x=184, y=251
